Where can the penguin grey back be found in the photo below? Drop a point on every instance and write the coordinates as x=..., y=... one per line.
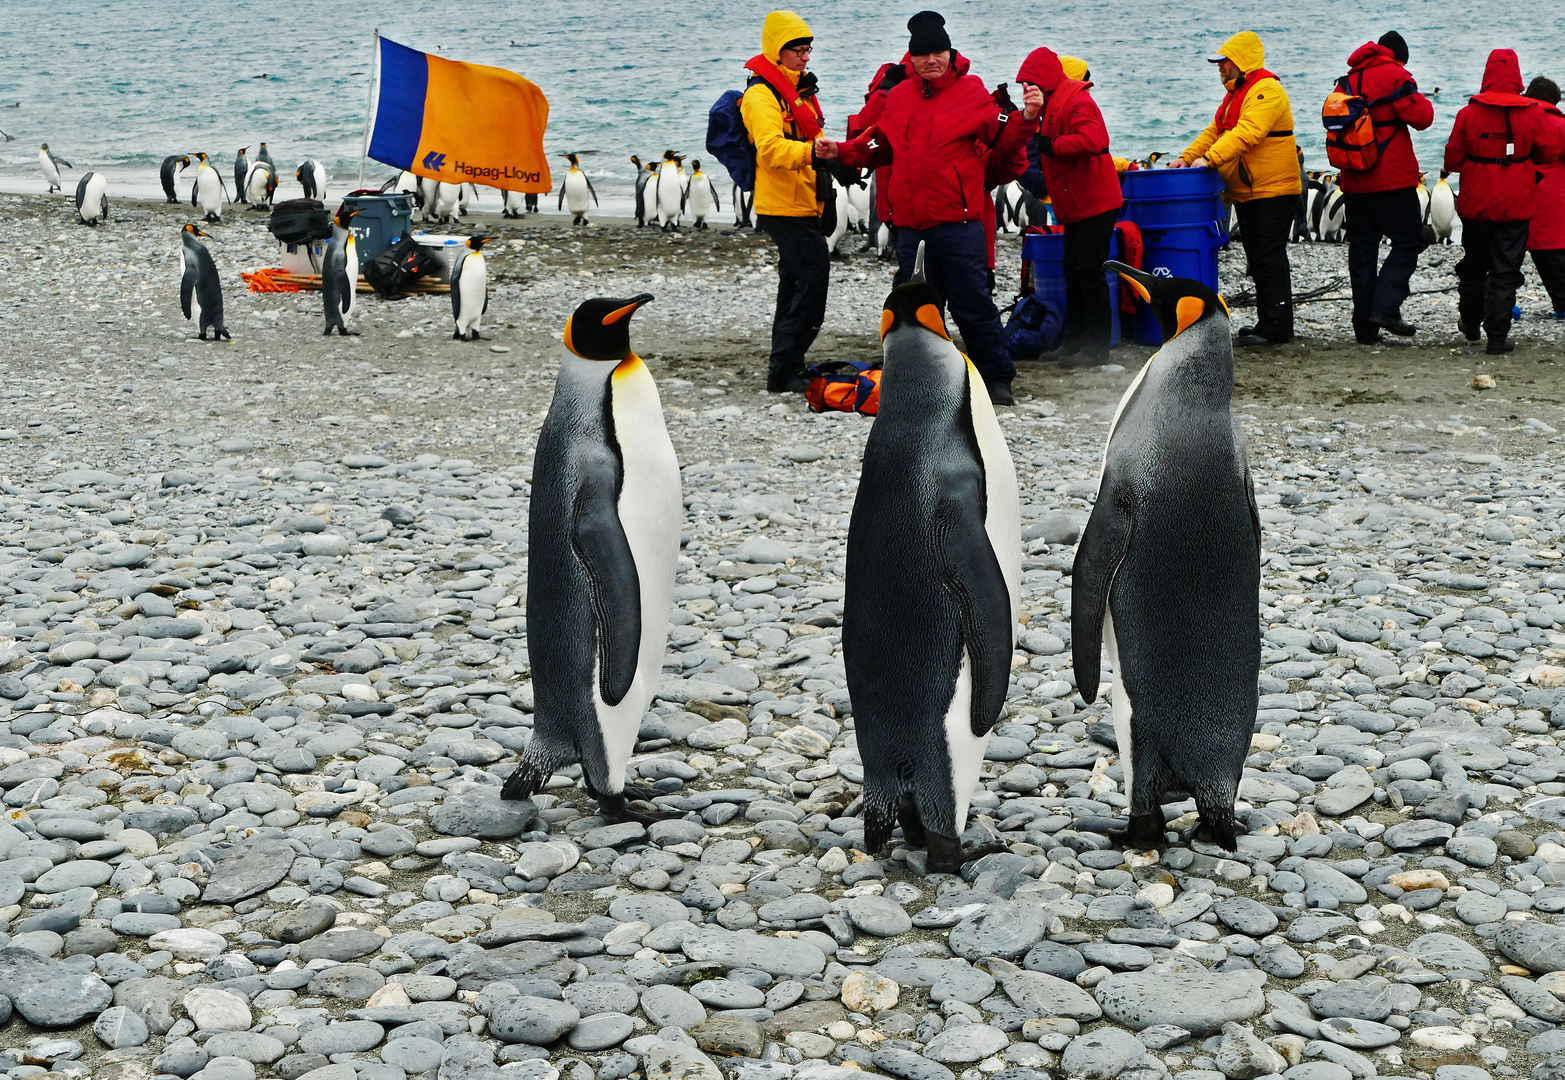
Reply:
x=335, y=297
x=1168, y=569
x=202, y=284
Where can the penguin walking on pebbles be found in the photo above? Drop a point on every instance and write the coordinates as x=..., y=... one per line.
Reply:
x=702, y=197
x=671, y=191
x=1442, y=209
x=340, y=274
x=174, y=163
x=241, y=170
x=92, y=198
x=200, y=290
x=513, y=205
x=933, y=584
x=1168, y=571
x=207, y=192
x=469, y=289
x=643, y=174
x=312, y=178
x=51, y=167
x=604, y=528
x=577, y=190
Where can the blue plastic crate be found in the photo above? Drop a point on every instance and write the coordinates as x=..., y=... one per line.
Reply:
x=1046, y=252
x=1187, y=251
x=382, y=221
x=1158, y=197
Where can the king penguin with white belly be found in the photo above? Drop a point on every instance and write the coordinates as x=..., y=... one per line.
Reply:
x=933, y=578
x=604, y=527
x=1168, y=572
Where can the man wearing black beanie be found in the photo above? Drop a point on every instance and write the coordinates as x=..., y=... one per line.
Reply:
x=1383, y=199
x=944, y=136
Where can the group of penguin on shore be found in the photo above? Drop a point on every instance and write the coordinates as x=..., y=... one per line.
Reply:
x=933, y=569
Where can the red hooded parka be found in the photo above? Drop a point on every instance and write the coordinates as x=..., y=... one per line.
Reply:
x=1374, y=73
x=1548, y=220
x=1496, y=134
x=937, y=133
x=1078, y=170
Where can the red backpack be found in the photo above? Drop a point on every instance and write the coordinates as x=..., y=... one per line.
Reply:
x=1350, y=130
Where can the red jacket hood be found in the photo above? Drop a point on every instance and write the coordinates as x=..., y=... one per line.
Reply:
x=1370, y=51
x=1043, y=69
x=1503, y=72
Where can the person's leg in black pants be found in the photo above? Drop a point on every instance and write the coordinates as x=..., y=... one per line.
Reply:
x=1087, y=315
x=1507, y=248
x=1264, y=225
x=1472, y=276
x=1363, y=262
x=956, y=265
x=1550, y=264
x=1401, y=222
x=803, y=275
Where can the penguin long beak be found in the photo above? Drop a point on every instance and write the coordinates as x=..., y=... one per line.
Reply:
x=918, y=264
x=630, y=307
x=1141, y=283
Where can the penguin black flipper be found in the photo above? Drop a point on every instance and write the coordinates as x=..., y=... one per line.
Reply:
x=971, y=574
x=590, y=191
x=600, y=543
x=456, y=294
x=1104, y=543
x=187, y=289
x=560, y=205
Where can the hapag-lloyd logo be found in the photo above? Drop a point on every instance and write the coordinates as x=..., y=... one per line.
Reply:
x=490, y=172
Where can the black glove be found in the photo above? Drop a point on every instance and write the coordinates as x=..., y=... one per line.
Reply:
x=894, y=74
x=1046, y=145
x=808, y=84
x=845, y=175
x=1002, y=98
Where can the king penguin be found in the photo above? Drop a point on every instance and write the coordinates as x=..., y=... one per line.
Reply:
x=604, y=529
x=264, y=155
x=671, y=191
x=1442, y=208
x=200, y=290
x=166, y=174
x=513, y=205
x=92, y=198
x=702, y=197
x=1168, y=571
x=934, y=571
x=261, y=185
x=642, y=175
x=207, y=192
x=51, y=167
x=340, y=274
x=469, y=289
x=241, y=170
x=312, y=177
x=576, y=190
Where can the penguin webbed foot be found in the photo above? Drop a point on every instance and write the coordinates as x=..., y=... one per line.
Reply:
x=632, y=803
x=1146, y=831
x=948, y=856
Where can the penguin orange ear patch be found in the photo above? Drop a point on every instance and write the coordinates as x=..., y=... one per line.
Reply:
x=886, y=319
x=929, y=318
x=568, y=344
x=1188, y=310
x=1140, y=289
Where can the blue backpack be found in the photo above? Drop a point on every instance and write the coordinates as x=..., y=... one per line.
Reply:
x=1034, y=328
x=728, y=140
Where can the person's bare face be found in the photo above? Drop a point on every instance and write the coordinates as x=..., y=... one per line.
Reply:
x=796, y=59
x=932, y=65
x=1228, y=71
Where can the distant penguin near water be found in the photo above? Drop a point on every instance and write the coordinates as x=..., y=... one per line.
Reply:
x=241, y=170
x=603, y=529
x=933, y=578
x=576, y=190
x=312, y=177
x=265, y=155
x=744, y=206
x=703, y=196
x=340, y=274
x=207, y=192
x=858, y=209
x=670, y=191
x=470, y=289
x=261, y=185
x=513, y=206
x=1168, y=571
x=643, y=174
x=166, y=174
x=92, y=199
x=200, y=289
x=51, y=167
x=1442, y=209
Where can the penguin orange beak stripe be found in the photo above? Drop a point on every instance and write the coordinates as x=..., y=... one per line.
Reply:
x=619, y=313
x=1141, y=290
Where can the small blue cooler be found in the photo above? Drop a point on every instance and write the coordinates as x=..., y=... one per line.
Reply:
x=382, y=221
x=1046, y=253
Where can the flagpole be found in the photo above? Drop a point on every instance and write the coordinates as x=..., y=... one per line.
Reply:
x=364, y=153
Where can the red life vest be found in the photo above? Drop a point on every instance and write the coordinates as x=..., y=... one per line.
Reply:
x=1228, y=112
x=804, y=112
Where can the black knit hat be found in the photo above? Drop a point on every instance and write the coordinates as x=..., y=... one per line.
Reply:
x=927, y=34
x=1396, y=43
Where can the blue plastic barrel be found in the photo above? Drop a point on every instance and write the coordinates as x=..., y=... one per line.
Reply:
x=1187, y=251
x=382, y=221
x=1157, y=197
x=1046, y=252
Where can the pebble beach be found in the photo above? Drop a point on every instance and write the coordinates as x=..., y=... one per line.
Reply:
x=264, y=669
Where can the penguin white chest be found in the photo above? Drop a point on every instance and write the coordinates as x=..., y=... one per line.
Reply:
x=471, y=289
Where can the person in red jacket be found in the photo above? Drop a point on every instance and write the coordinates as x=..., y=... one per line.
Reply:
x=1383, y=199
x=1084, y=186
x=1495, y=136
x=1546, y=237
x=936, y=130
x=887, y=76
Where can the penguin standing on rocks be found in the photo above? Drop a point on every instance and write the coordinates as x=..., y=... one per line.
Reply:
x=312, y=177
x=92, y=198
x=643, y=174
x=743, y=202
x=443, y=202
x=671, y=191
x=200, y=290
x=1168, y=571
x=1442, y=208
x=166, y=174
x=51, y=167
x=933, y=584
x=469, y=289
x=261, y=185
x=604, y=544
x=703, y=196
x=207, y=192
x=340, y=274
x=241, y=170
x=576, y=190
x=513, y=205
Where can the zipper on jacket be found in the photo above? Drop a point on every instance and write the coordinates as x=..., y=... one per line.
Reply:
x=961, y=190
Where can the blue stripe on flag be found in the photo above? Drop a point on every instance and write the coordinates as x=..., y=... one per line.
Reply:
x=399, y=112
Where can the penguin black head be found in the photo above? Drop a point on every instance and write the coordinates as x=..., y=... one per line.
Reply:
x=1444, y=173
x=184, y=163
x=600, y=328
x=668, y=155
x=193, y=231
x=572, y=159
x=914, y=303
x=695, y=165
x=343, y=218
x=636, y=161
x=1178, y=303
x=244, y=149
x=474, y=243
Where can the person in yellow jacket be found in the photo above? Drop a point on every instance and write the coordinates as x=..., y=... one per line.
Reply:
x=1250, y=142
x=783, y=117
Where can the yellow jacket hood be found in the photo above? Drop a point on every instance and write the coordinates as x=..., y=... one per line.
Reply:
x=780, y=28
x=1075, y=68
x=1245, y=50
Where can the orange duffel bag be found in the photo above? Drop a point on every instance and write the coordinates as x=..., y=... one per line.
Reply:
x=844, y=386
